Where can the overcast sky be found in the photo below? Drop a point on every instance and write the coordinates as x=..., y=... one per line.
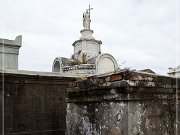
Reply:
x=143, y=33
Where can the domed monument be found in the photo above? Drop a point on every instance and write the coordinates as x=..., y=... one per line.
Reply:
x=87, y=58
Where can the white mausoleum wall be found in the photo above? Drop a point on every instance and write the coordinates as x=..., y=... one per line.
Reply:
x=106, y=63
x=174, y=72
x=9, y=51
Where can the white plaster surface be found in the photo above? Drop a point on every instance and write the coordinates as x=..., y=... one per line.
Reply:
x=86, y=45
x=106, y=63
x=9, y=51
x=174, y=72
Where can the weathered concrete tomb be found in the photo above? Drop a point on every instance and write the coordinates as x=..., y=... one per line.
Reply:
x=9, y=51
x=124, y=103
x=34, y=102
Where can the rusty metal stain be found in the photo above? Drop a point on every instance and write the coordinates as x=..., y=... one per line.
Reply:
x=115, y=77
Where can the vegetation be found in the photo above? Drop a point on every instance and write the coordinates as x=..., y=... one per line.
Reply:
x=84, y=61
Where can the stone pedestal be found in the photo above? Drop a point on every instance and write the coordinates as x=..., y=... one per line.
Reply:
x=87, y=46
x=87, y=34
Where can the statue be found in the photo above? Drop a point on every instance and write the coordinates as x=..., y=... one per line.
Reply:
x=86, y=18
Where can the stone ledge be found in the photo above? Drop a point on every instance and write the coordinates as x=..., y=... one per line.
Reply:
x=124, y=85
x=37, y=73
x=11, y=43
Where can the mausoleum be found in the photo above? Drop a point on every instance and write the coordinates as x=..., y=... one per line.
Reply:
x=88, y=58
x=9, y=51
x=174, y=72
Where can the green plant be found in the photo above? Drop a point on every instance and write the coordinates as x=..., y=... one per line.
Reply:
x=84, y=58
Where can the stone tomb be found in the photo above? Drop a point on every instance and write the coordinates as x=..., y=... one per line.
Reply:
x=125, y=103
x=9, y=51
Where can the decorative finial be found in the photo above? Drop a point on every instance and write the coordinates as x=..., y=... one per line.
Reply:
x=86, y=18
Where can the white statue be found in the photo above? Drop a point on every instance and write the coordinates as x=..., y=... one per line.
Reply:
x=86, y=18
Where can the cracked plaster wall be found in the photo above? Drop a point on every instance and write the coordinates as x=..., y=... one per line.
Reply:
x=121, y=118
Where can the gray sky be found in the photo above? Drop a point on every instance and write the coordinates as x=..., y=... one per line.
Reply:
x=143, y=33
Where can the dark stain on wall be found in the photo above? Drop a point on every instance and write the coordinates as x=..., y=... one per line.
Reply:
x=33, y=104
